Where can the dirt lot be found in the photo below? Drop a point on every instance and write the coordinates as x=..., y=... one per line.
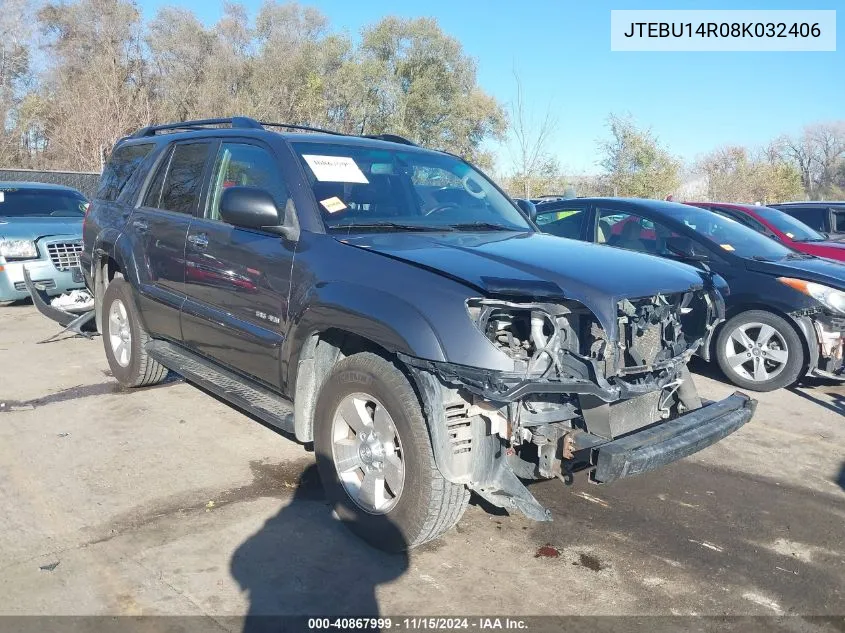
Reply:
x=167, y=501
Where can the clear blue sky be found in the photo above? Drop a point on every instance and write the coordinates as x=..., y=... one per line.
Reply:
x=693, y=101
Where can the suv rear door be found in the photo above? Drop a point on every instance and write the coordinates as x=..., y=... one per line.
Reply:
x=158, y=228
x=237, y=280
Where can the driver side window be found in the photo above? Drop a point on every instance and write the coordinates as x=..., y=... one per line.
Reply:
x=441, y=190
x=244, y=165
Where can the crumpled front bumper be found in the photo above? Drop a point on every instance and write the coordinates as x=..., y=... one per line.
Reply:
x=830, y=332
x=658, y=445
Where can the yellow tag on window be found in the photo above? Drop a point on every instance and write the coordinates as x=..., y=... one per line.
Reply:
x=333, y=204
x=727, y=247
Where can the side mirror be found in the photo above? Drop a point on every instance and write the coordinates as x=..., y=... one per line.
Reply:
x=249, y=207
x=254, y=208
x=527, y=207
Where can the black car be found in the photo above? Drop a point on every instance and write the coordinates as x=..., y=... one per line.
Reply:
x=392, y=305
x=785, y=309
x=826, y=217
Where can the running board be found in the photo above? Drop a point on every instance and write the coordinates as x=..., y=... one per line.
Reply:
x=258, y=401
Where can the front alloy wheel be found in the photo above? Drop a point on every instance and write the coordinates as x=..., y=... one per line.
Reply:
x=756, y=351
x=367, y=453
x=760, y=351
x=375, y=457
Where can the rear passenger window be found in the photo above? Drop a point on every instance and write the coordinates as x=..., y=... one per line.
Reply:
x=153, y=195
x=119, y=169
x=182, y=184
x=562, y=222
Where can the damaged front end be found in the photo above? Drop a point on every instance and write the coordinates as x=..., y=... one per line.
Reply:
x=824, y=334
x=614, y=398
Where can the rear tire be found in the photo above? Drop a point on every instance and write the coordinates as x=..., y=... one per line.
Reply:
x=760, y=351
x=125, y=340
x=365, y=408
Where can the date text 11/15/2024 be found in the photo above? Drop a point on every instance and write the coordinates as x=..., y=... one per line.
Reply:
x=418, y=623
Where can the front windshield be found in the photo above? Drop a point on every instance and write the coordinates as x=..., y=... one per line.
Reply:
x=793, y=228
x=729, y=235
x=366, y=188
x=18, y=202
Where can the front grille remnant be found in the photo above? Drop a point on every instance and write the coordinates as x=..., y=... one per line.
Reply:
x=65, y=255
x=651, y=329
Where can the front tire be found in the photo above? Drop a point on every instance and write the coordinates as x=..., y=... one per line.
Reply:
x=375, y=457
x=125, y=339
x=760, y=351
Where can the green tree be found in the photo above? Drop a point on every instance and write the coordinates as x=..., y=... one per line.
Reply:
x=423, y=86
x=635, y=163
x=734, y=174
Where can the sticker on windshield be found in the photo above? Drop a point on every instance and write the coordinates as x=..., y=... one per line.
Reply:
x=2, y=196
x=790, y=236
x=333, y=204
x=727, y=247
x=335, y=169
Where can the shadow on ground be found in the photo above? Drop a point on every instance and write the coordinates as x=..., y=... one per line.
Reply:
x=750, y=536
x=838, y=400
x=304, y=563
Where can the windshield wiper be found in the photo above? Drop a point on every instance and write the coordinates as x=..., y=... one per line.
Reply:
x=482, y=226
x=799, y=256
x=389, y=226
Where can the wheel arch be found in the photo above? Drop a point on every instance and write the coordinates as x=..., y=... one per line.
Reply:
x=320, y=351
x=108, y=261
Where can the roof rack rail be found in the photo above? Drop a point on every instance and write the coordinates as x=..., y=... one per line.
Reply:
x=235, y=122
x=304, y=128
x=242, y=122
x=393, y=138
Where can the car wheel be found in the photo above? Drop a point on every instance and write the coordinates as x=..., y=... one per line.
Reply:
x=375, y=457
x=760, y=351
x=125, y=339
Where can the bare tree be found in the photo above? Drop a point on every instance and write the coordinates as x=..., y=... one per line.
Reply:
x=818, y=153
x=534, y=166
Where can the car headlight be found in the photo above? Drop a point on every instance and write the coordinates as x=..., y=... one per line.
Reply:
x=18, y=249
x=827, y=296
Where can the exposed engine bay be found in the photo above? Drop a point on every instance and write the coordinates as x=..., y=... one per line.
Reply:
x=575, y=385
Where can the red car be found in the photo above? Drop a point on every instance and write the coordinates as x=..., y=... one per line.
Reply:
x=777, y=224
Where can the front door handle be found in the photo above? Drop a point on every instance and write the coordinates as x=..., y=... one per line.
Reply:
x=200, y=240
x=140, y=225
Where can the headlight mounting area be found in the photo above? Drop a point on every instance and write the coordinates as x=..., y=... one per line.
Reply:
x=18, y=249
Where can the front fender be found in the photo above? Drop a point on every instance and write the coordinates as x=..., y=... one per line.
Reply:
x=380, y=317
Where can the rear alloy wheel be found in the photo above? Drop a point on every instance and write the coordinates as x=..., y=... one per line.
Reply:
x=125, y=340
x=760, y=351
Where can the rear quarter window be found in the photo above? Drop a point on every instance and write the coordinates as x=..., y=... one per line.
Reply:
x=119, y=169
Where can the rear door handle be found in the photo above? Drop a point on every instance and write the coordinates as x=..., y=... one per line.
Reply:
x=199, y=240
x=140, y=225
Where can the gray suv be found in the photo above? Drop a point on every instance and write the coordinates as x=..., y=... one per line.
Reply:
x=393, y=306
